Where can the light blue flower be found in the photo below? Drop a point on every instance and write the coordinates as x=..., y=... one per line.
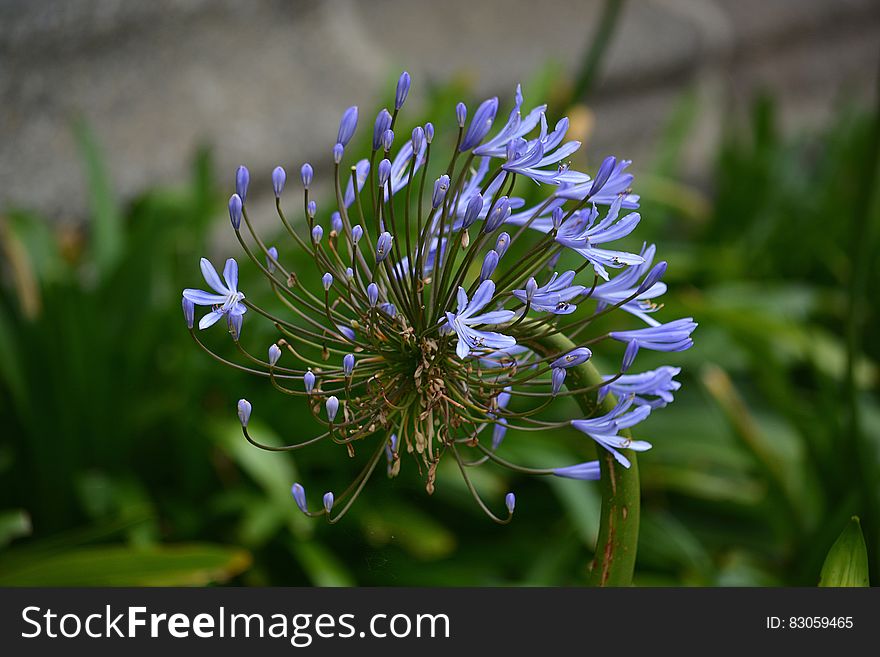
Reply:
x=582, y=234
x=555, y=296
x=606, y=428
x=588, y=471
x=653, y=388
x=531, y=158
x=226, y=300
x=626, y=284
x=463, y=321
x=617, y=186
x=515, y=127
x=673, y=336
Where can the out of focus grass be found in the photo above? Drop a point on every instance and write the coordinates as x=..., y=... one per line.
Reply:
x=121, y=461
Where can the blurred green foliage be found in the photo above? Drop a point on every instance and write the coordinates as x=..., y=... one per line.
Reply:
x=121, y=460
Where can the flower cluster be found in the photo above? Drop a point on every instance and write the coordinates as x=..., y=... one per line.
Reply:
x=438, y=297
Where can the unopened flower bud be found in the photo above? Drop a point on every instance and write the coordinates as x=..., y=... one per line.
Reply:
x=271, y=259
x=372, y=293
x=502, y=243
x=403, y=84
x=299, y=496
x=332, y=407
x=327, y=281
x=490, y=262
x=347, y=125
x=510, y=502
x=472, y=211
x=383, y=122
x=242, y=179
x=384, y=172
x=348, y=364
x=557, y=378
x=306, y=174
x=383, y=246
x=279, y=177
x=244, y=411
x=441, y=185
x=235, y=205
x=189, y=312
x=274, y=354
x=317, y=234
x=461, y=114
x=309, y=381
x=328, y=501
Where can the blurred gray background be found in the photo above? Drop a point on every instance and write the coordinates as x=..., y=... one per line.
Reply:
x=264, y=82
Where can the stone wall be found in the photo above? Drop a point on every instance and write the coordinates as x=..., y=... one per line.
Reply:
x=265, y=81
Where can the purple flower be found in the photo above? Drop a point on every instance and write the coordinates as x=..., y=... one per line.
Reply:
x=626, y=285
x=629, y=355
x=189, y=310
x=383, y=122
x=515, y=128
x=279, y=177
x=242, y=179
x=383, y=246
x=588, y=471
x=605, y=429
x=499, y=428
x=480, y=124
x=461, y=114
x=235, y=211
x=327, y=281
x=582, y=234
x=402, y=90
x=348, y=364
x=615, y=187
x=338, y=152
x=573, y=358
x=462, y=322
x=361, y=171
x=244, y=411
x=673, y=336
x=274, y=354
x=557, y=378
x=328, y=501
x=531, y=158
x=501, y=244
x=347, y=125
x=309, y=381
x=317, y=234
x=555, y=296
x=653, y=388
x=306, y=174
x=372, y=293
x=498, y=215
x=332, y=407
x=384, y=172
x=429, y=132
x=490, y=262
x=226, y=300
x=510, y=502
x=299, y=496
x=441, y=185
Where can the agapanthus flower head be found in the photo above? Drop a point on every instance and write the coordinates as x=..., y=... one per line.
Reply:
x=442, y=322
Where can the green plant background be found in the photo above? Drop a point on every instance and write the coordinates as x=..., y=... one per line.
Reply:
x=122, y=462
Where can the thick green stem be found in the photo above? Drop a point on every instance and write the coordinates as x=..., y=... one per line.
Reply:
x=619, y=522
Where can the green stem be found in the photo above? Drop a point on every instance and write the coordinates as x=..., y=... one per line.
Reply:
x=619, y=522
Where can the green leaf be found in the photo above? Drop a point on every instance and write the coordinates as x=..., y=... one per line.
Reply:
x=14, y=524
x=177, y=565
x=323, y=568
x=847, y=560
x=107, y=234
